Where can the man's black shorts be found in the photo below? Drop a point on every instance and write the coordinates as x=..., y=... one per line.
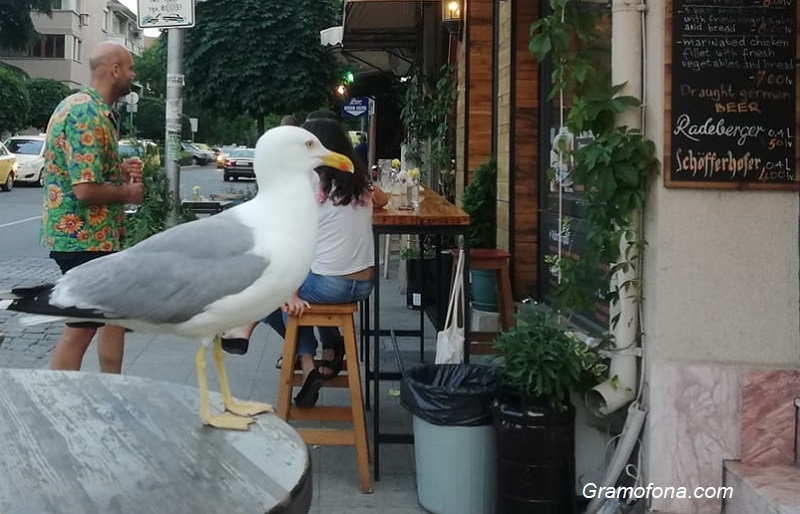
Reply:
x=68, y=260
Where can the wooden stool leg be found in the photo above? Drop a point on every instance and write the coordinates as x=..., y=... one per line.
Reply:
x=357, y=406
x=287, y=371
x=505, y=298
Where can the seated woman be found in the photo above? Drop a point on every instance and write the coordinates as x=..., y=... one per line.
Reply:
x=342, y=269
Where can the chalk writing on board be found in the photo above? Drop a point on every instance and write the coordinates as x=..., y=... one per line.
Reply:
x=732, y=94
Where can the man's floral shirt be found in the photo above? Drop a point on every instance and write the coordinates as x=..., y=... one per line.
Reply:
x=81, y=147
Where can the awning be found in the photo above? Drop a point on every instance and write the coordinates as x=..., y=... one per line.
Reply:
x=366, y=62
x=377, y=24
x=382, y=35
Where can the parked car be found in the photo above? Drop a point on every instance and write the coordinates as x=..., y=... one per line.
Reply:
x=8, y=168
x=199, y=156
x=239, y=164
x=136, y=148
x=30, y=158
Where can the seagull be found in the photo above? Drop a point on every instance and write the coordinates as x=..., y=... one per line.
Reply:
x=198, y=279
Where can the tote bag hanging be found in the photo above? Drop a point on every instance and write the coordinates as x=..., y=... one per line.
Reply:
x=450, y=340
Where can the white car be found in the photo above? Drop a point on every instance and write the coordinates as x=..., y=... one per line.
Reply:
x=30, y=158
x=199, y=156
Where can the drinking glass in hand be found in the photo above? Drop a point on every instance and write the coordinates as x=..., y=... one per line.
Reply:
x=132, y=208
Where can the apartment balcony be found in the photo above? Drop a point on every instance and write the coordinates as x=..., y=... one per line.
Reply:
x=135, y=45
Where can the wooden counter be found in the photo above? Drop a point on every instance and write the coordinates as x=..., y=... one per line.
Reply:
x=433, y=210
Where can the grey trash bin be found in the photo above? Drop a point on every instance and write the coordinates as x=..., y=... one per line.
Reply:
x=454, y=444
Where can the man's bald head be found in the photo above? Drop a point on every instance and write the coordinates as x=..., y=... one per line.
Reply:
x=107, y=53
x=111, y=66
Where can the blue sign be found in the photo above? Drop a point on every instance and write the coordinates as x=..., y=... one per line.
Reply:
x=356, y=106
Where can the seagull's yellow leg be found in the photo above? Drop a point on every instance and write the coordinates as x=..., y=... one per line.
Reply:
x=225, y=420
x=236, y=407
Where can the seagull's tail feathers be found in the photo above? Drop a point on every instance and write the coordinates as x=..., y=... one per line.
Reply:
x=35, y=302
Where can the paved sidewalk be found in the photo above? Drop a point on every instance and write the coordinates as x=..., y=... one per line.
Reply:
x=253, y=376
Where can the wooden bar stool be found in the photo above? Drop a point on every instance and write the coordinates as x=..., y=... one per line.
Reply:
x=334, y=315
x=497, y=260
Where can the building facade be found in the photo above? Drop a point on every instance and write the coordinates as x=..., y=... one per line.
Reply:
x=720, y=340
x=68, y=36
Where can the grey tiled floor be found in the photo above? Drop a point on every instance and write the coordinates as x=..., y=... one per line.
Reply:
x=253, y=376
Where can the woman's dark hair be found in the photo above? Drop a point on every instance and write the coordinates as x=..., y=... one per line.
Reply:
x=341, y=188
x=323, y=113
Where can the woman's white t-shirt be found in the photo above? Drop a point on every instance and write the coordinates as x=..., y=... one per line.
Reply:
x=344, y=239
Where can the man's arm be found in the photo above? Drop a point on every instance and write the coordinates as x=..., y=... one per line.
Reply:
x=94, y=193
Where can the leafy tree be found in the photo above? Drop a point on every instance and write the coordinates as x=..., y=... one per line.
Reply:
x=45, y=95
x=19, y=72
x=16, y=27
x=217, y=126
x=14, y=101
x=150, y=118
x=151, y=69
x=278, y=65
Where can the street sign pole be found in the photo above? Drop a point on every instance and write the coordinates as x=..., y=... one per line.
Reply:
x=174, y=17
x=173, y=119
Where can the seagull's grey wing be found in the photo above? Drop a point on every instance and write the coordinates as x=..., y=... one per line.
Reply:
x=216, y=236
x=170, y=277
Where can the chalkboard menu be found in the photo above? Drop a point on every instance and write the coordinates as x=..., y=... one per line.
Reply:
x=731, y=92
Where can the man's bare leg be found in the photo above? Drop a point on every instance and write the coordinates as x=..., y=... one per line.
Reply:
x=110, y=348
x=69, y=350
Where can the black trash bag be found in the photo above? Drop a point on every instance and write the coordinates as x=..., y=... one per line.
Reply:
x=450, y=394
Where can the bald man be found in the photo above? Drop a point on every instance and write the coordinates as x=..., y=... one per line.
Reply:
x=85, y=188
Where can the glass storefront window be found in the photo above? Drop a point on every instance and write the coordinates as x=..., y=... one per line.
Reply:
x=560, y=218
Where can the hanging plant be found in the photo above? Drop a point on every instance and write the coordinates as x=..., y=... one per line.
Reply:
x=612, y=172
x=425, y=116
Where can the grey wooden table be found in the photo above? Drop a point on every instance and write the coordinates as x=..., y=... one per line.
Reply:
x=83, y=443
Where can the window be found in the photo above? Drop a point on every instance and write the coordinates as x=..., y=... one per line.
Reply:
x=57, y=4
x=76, y=50
x=563, y=224
x=48, y=47
x=8, y=52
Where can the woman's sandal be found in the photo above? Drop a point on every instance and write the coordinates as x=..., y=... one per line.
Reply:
x=279, y=364
x=309, y=393
x=336, y=364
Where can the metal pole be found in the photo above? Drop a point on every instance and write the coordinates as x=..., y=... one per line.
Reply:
x=173, y=121
x=373, y=130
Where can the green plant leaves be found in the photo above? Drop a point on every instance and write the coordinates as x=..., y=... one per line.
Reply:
x=542, y=360
x=480, y=203
x=153, y=213
x=612, y=172
x=427, y=104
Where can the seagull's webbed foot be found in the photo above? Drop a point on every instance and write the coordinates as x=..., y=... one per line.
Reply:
x=240, y=408
x=229, y=421
x=225, y=420
x=247, y=408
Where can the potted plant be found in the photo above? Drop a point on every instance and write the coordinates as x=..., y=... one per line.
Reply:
x=541, y=363
x=480, y=203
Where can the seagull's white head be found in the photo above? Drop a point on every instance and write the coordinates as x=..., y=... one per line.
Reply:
x=293, y=150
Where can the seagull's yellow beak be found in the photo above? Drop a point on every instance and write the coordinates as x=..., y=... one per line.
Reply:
x=338, y=161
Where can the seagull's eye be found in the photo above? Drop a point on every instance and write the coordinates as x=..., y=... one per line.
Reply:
x=309, y=144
